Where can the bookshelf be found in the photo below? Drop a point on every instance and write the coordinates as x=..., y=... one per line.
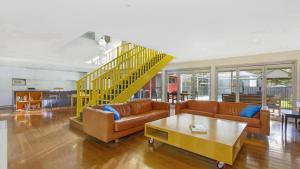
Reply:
x=29, y=100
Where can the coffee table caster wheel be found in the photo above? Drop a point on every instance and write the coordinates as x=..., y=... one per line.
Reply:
x=151, y=141
x=221, y=165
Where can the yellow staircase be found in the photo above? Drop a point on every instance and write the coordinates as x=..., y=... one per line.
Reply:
x=120, y=78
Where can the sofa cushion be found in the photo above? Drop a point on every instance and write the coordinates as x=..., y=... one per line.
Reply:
x=252, y=122
x=140, y=106
x=111, y=109
x=139, y=119
x=123, y=109
x=204, y=106
x=231, y=108
x=250, y=111
x=197, y=112
x=130, y=122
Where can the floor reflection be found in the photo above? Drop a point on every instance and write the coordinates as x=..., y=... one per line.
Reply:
x=44, y=140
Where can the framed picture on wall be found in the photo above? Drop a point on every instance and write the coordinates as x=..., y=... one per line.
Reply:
x=18, y=82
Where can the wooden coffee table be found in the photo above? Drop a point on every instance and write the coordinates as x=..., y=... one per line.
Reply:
x=222, y=142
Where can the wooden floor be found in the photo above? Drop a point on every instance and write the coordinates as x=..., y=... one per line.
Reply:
x=43, y=140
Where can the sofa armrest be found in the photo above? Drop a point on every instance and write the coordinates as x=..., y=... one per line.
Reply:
x=179, y=106
x=98, y=123
x=265, y=121
x=160, y=105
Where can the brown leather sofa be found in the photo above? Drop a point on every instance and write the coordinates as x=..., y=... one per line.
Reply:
x=259, y=124
x=101, y=124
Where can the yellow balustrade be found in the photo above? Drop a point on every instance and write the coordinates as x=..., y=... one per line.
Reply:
x=119, y=79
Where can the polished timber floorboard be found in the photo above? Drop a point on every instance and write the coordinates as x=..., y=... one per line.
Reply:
x=43, y=140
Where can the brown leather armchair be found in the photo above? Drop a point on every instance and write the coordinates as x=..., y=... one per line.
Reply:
x=101, y=124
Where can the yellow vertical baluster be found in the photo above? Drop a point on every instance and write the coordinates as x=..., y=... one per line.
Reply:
x=78, y=99
x=129, y=62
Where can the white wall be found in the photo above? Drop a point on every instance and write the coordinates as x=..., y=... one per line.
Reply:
x=280, y=57
x=3, y=145
x=37, y=78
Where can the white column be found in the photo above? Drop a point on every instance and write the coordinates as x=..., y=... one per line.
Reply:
x=264, y=87
x=179, y=81
x=3, y=145
x=298, y=79
x=213, y=83
x=164, y=84
x=237, y=92
x=150, y=88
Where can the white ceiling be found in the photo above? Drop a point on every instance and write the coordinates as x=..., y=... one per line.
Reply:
x=190, y=30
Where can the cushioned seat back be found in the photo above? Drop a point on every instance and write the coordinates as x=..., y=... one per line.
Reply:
x=123, y=109
x=231, y=108
x=140, y=106
x=205, y=106
x=99, y=107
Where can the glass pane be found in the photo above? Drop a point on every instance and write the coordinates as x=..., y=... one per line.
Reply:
x=279, y=90
x=156, y=88
x=251, y=86
x=186, y=86
x=153, y=90
x=172, y=87
x=143, y=93
x=227, y=86
x=202, y=86
x=193, y=85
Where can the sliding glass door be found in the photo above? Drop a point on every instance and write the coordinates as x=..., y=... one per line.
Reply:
x=250, y=85
x=202, y=86
x=227, y=85
x=188, y=84
x=279, y=82
x=268, y=85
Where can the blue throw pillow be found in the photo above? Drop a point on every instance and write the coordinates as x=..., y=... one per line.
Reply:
x=111, y=109
x=250, y=111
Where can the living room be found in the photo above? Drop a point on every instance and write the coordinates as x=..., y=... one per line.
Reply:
x=137, y=84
